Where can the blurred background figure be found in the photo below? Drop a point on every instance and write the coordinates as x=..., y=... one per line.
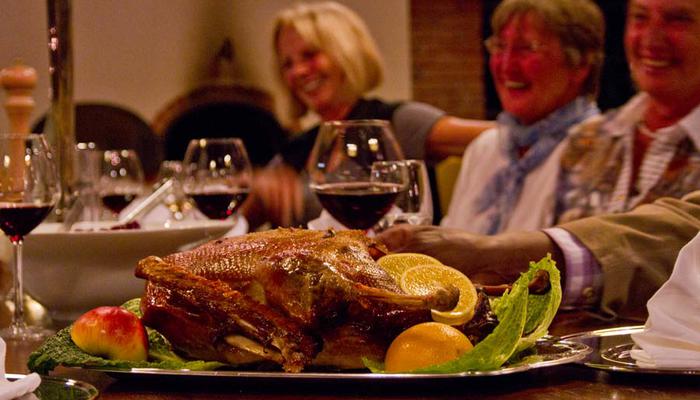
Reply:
x=328, y=62
x=545, y=58
x=650, y=147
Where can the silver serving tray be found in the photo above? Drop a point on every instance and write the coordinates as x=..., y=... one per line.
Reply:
x=551, y=351
x=53, y=387
x=611, y=352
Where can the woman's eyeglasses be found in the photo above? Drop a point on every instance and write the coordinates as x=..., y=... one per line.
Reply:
x=496, y=47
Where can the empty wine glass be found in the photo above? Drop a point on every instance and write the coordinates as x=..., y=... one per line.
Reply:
x=122, y=179
x=176, y=200
x=29, y=189
x=340, y=169
x=88, y=164
x=414, y=205
x=217, y=175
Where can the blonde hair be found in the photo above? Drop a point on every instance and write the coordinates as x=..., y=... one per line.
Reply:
x=579, y=25
x=341, y=34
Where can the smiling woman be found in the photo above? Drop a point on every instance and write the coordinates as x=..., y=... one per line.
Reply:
x=545, y=61
x=328, y=64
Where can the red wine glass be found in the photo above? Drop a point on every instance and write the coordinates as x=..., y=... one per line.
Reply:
x=122, y=179
x=29, y=188
x=217, y=175
x=340, y=170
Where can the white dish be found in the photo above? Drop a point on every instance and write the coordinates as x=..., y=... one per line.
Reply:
x=72, y=272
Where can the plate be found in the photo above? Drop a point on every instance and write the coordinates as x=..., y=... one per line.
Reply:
x=53, y=387
x=550, y=352
x=611, y=352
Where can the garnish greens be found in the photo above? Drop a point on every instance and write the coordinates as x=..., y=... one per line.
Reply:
x=60, y=350
x=523, y=317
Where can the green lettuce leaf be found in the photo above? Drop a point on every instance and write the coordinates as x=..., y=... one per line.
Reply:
x=541, y=308
x=496, y=348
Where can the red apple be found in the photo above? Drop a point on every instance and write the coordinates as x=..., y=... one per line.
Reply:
x=111, y=332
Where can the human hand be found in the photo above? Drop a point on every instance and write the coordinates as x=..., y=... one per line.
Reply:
x=489, y=260
x=276, y=196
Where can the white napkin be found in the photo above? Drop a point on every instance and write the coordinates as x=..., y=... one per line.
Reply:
x=671, y=336
x=12, y=390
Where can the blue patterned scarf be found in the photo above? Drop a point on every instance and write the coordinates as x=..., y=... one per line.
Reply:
x=502, y=192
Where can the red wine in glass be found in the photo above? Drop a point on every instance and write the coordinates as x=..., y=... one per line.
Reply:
x=121, y=180
x=358, y=205
x=341, y=174
x=116, y=202
x=217, y=176
x=18, y=219
x=29, y=187
x=219, y=205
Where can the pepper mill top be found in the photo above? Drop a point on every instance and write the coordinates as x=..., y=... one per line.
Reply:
x=19, y=80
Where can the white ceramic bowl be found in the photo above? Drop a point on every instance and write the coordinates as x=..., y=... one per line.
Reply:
x=72, y=272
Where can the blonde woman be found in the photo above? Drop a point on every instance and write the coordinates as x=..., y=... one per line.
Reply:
x=328, y=62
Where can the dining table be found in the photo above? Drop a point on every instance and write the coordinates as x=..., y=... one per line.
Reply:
x=554, y=382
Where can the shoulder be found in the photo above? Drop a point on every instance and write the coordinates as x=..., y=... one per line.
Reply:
x=418, y=108
x=485, y=145
x=588, y=137
x=414, y=116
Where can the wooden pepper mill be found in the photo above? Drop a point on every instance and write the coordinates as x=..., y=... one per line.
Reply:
x=19, y=81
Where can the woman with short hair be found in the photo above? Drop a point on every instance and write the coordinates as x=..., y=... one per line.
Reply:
x=545, y=58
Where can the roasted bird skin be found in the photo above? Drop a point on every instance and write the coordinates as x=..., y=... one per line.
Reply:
x=295, y=292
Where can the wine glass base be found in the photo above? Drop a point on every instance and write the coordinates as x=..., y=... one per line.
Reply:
x=29, y=333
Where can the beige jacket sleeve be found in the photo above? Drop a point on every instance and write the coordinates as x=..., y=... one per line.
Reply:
x=637, y=250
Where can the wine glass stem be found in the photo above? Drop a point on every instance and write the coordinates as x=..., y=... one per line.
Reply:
x=18, y=317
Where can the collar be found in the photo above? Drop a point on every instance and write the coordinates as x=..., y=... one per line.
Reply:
x=691, y=125
x=625, y=118
x=630, y=114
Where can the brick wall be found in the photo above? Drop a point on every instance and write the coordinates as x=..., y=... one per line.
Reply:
x=446, y=43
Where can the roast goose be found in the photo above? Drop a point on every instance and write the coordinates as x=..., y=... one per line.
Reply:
x=291, y=297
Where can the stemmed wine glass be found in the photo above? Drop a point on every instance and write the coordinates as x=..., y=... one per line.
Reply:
x=176, y=201
x=29, y=189
x=413, y=206
x=122, y=179
x=340, y=169
x=218, y=175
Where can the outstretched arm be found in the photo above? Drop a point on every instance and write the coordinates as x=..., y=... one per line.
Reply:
x=489, y=260
x=451, y=135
